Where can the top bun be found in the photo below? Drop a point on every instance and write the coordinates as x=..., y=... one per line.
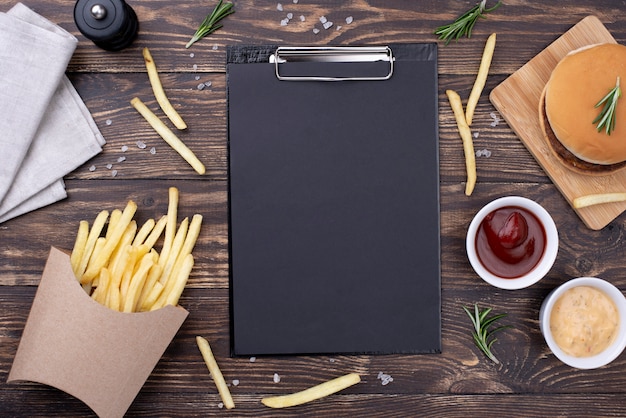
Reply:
x=577, y=83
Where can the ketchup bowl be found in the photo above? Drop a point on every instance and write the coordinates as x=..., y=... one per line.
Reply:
x=512, y=242
x=584, y=322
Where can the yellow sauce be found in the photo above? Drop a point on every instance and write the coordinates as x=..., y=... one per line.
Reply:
x=584, y=321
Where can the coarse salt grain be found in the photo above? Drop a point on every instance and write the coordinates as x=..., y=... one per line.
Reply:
x=208, y=83
x=302, y=18
x=141, y=144
x=289, y=16
x=235, y=382
x=252, y=359
x=385, y=378
x=279, y=7
x=338, y=27
x=120, y=159
x=349, y=19
x=475, y=134
x=201, y=86
x=220, y=405
x=215, y=47
x=323, y=19
x=495, y=118
x=191, y=55
x=276, y=378
x=109, y=166
x=327, y=25
x=92, y=168
x=153, y=150
x=124, y=148
x=316, y=31
x=108, y=122
x=295, y=1
x=195, y=67
x=113, y=173
x=284, y=22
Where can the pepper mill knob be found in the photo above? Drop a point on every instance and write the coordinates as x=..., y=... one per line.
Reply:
x=98, y=11
x=110, y=24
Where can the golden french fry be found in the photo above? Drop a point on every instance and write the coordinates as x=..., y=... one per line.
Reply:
x=153, y=295
x=598, y=199
x=216, y=373
x=170, y=225
x=116, y=214
x=481, y=78
x=144, y=232
x=178, y=277
x=166, y=278
x=79, y=246
x=312, y=393
x=159, y=93
x=466, y=136
x=94, y=267
x=151, y=282
x=137, y=281
x=125, y=240
x=179, y=281
x=156, y=232
x=94, y=234
x=99, y=295
x=167, y=135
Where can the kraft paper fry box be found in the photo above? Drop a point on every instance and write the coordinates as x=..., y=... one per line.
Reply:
x=87, y=350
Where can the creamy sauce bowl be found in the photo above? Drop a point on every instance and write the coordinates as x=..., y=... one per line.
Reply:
x=579, y=317
x=502, y=255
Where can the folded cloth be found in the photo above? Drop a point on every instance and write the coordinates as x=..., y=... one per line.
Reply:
x=46, y=131
x=52, y=193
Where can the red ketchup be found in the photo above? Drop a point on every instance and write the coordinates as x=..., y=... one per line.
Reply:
x=510, y=242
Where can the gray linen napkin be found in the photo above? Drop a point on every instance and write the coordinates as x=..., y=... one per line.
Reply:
x=46, y=131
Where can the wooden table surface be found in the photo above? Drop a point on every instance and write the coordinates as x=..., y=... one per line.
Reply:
x=460, y=381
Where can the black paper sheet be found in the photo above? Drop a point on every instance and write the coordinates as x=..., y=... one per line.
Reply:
x=334, y=209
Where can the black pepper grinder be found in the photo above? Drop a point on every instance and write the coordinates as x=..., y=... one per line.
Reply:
x=110, y=24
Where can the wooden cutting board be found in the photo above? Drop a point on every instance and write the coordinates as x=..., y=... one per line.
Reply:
x=517, y=100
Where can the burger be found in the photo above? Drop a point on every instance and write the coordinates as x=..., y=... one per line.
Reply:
x=569, y=116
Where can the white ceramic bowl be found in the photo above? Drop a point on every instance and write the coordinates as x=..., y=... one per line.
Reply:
x=611, y=352
x=545, y=263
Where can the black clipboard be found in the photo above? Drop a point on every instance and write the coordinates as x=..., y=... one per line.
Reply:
x=333, y=200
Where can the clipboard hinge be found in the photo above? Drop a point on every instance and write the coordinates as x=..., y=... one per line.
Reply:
x=337, y=54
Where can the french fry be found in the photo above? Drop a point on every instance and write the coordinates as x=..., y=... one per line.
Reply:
x=598, y=199
x=159, y=93
x=144, y=232
x=178, y=281
x=94, y=268
x=466, y=136
x=151, y=282
x=312, y=393
x=481, y=78
x=156, y=232
x=113, y=219
x=94, y=233
x=137, y=281
x=170, y=225
x=79, y=245
x=169, y=136
x=216, y=373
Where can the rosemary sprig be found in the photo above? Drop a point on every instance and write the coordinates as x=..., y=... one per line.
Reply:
x=606, y=118
x=483, y=335
x=464, y=24
x=209, y=24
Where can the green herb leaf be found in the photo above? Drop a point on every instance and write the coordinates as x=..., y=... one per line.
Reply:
x=209, y=24
x=606, y=118
x=464, y=24
x=483, y=330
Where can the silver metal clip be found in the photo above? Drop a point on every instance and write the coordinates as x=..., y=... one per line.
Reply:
x=337, y=54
